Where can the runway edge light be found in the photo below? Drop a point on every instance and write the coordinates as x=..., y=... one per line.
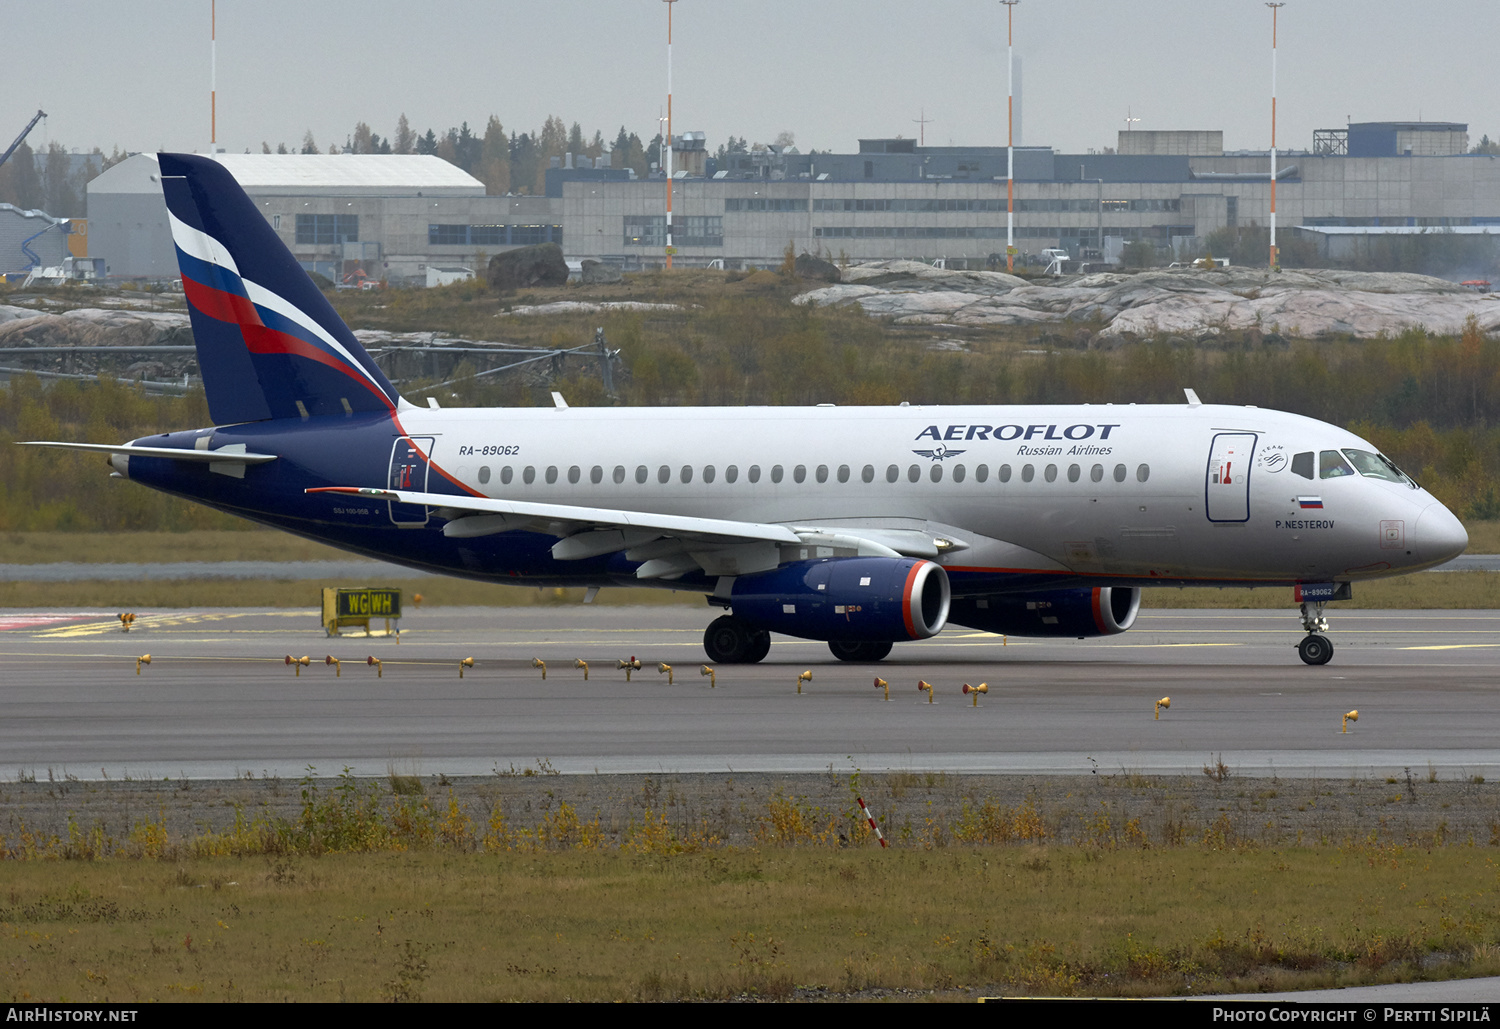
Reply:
x=338, y=668
x=581, y=663
x=666, y=669
x=144, y=659
x=881, y=684
x=804, y=677
x=713, y=679
x=537, y=662
x=1164, y=702
x=1349, y=716
x=375, y=663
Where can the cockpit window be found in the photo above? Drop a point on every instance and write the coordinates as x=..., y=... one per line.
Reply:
x=1377, y=466
x=1331, y=465
x=1302, y=464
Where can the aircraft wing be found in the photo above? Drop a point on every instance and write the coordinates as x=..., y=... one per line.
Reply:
x=232, y=454
x=666, y=545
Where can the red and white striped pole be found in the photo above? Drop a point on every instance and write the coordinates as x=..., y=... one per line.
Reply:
x=871, y=819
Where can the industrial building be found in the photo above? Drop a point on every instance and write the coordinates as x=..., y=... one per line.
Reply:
x=31, y=239
x=346, y=216
x=393, y=217
x=895, y=198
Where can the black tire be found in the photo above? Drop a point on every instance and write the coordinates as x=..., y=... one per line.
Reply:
x=1315, y=649
x=760, y=646
x=728, y=641
x=859, y=650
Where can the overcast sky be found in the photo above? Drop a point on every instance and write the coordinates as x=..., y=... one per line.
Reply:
x=136, y=75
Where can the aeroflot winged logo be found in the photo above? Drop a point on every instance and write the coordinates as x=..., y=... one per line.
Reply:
x=938, y=453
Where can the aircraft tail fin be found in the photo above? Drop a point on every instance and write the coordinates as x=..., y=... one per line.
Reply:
x=269, y=343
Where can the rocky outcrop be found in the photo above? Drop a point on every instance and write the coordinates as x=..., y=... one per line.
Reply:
x=1192, y=303
x=809, y=267
x=525, y=267
x=23, y=330
x=597, y=273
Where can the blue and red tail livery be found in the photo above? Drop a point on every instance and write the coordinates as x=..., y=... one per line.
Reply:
x=269, y=343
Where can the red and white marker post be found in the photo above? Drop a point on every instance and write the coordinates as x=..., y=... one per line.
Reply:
x=871, y=819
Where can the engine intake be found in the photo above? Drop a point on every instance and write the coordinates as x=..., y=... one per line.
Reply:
x=1102, y=611
x=847, y=598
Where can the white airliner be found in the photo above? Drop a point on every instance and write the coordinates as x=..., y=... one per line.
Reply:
x=858, y=526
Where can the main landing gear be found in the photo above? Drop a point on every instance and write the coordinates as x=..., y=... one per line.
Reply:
x=729, y=641
x=860, y=650
x=1315, y=648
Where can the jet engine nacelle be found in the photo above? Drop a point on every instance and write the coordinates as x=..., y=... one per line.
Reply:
x=1102, y=611
x=847, y=598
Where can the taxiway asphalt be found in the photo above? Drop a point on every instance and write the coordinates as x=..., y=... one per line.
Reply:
x=218, y=699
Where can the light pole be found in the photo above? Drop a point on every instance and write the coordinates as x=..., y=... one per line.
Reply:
x=1275, y=8
x=667, y=142
x=1010, y=139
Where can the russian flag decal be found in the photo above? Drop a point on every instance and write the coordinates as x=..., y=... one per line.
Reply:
x=1310, y=503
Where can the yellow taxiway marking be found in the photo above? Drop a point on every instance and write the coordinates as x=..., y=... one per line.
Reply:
x=1453, y=646
x=164, y=621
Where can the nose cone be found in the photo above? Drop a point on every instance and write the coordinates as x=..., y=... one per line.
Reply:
x=1439, y=536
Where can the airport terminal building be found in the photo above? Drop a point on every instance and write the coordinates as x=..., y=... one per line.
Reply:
x=351, y=216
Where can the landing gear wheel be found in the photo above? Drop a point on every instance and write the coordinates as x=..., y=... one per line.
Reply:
x=729, y=641
x=859, y=650
x=1315, y=649
x=760, y=646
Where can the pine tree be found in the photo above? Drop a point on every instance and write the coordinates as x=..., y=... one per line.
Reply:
x=494, y=159
x=405, y=140
x=362, y=141
x=309, y=145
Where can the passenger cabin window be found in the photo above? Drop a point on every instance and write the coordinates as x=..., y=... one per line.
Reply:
x=1005, y=473
x=1119, y=473
x=505, y=475
x=892, y=473
x=1143, y=473
x=1302, y=464
x=982, y=473
x=640, y=474
x=619, y=474
x=937, y=473
x=776, y=473
x=755, y=473
x=799, y=474
x=484, y=474
x=664, y=475
x=1051, y=473
x=822, y=473
x=1027, y=473
x=914, y=473
x=1096, y=473
x=732, y=473
x=867, y=474
x=687, y=473
x=596, y=475
x=708, y=473
x=1331, y=465
x=1073, y=473
x=958, y=473
x=551, y=474
x=529, y=475
x=843, y=473
x=574, y=474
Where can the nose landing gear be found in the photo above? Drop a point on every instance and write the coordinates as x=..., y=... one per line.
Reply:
x=1315, y=648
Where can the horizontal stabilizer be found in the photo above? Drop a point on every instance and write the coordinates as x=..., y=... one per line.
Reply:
x=171, y=453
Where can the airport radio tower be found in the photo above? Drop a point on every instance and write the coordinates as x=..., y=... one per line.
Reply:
x=1010, y=139
x=1275, y=7
x=668, y=141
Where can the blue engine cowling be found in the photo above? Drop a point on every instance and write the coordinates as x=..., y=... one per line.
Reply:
x=1102, y=611
x=847, y=598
